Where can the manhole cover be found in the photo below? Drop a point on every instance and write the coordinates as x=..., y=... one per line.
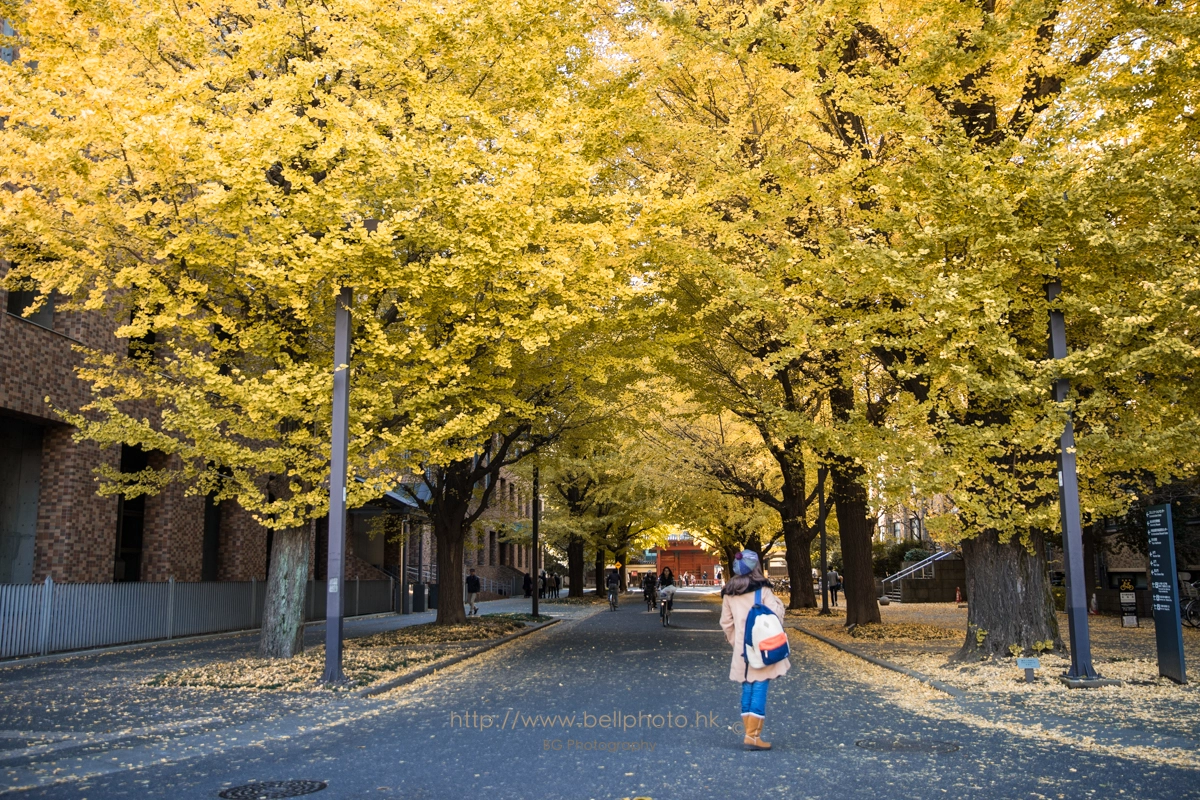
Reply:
x=907, y=745
x=269, y=790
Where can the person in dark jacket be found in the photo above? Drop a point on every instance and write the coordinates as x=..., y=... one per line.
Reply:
x=528, y=585
x=472, y=592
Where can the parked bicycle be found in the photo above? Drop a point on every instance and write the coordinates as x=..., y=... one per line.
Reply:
x=1189, y=603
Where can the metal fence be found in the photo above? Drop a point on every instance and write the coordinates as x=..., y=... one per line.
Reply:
x=41, y=618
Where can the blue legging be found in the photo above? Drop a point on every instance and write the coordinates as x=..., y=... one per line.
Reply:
x=754, y=697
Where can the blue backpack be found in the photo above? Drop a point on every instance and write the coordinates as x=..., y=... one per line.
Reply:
x=765, y=642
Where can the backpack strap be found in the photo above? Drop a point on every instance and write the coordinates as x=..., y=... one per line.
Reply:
x=758, y=596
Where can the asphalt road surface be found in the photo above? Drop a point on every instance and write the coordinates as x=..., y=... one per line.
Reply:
x=534, y=720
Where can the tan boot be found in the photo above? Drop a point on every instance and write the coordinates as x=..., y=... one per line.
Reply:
x=746, y=724
x=753, y=740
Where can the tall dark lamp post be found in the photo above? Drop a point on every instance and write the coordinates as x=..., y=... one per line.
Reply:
x=334, y=592
x=824, y=570
x=537, y=513
x=1081, y=670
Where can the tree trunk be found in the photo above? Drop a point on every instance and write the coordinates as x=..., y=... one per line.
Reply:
x=799, y=564
x=600, y=570
x=282, y=634
x=1008, y=597
x=575, y=567
x=728, y=552
x=449, y=534
x=855, y=528
x=621, y=570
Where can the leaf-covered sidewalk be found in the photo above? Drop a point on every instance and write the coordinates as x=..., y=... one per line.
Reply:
x=373, y=659
x=1144, y=712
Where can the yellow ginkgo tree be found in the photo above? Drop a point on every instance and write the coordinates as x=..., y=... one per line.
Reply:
x=210, y=178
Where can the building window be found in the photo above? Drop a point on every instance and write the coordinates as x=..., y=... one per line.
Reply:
x=210, y=562
x=20, y=480
x=131, y=514
x=18, y=301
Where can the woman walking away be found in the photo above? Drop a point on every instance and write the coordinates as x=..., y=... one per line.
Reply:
x=737, y=600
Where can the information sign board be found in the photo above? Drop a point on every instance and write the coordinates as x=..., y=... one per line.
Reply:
x=1164, y=593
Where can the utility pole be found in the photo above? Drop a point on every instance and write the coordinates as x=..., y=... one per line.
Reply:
x=1068, y=503
x=537, y=509
x=334, y=594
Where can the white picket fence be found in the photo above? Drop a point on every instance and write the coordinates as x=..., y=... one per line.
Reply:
x=42, y=618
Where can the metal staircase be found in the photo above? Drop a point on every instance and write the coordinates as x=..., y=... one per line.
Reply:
x=921, y=570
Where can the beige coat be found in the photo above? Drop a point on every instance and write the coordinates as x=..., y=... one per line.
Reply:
x=734, y=610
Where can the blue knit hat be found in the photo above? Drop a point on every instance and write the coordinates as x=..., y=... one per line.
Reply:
x=745, y=562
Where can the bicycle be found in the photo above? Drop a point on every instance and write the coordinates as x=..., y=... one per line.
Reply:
x=1189, y=605
x=651, y=599
x=612, y=598
x=665, y=601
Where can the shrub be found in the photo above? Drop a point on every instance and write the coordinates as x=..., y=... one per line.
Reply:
x=887, y=556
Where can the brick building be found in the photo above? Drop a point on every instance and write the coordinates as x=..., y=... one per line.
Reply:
x=498, y=546
x=52, y=521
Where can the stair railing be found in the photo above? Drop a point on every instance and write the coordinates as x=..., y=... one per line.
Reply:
x=922, y=570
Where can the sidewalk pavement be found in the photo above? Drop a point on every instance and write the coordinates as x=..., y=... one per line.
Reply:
x=60, y=700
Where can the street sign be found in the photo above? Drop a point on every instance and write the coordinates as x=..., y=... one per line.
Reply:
x=1029, y=665
x=1129, y=618
x=1164, y=593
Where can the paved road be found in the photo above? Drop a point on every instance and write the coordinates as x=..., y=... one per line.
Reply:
x=474, y=733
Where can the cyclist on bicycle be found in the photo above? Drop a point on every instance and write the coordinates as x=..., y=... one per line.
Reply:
x=613, y=583
x=667, y=578
x=649, y=586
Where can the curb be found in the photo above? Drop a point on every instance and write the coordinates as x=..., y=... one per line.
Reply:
x=394, y=683
x=953, y=691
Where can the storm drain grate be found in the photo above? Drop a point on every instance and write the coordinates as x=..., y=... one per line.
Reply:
x=898, y=745
x=269, y=790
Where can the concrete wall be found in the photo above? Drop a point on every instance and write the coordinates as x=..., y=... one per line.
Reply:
x=948, y=576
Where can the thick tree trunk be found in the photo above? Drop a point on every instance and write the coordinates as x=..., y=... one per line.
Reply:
x=1008, y=597
x=575, y=566
x=620, y=556
x=449, y=534
x=600, y=570
x=855, y=528
x=799, y=564
x=282, y=634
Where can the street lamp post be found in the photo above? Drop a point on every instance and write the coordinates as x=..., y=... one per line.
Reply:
x=537, y=508
x=334, y=605
x=824, y=570
x=1068, y=502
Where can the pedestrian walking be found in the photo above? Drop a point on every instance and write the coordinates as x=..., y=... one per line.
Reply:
x=557, y=586
x=704, y=577
x=472, y=592
x=737, y=598
x=528, y=585
x=834, y=582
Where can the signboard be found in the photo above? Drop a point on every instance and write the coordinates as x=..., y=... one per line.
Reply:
x=1029, y=665
x=1164, y=593
x=1129, y=618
